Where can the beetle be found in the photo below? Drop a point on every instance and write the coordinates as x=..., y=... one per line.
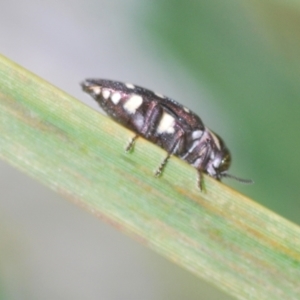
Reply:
x=166, y=123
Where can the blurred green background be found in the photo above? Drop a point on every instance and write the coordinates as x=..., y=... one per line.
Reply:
x=235, y=63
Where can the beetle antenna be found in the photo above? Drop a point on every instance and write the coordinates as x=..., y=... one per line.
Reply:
x=246, y=181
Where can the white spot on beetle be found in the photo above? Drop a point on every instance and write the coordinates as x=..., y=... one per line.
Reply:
x=159, y=95
x=96, y=89
x=116, y=97
x=217, y=162
x=166, y=124
x=133, y=103
x=129, y=85
x=105, y=93
x=186, y=109
x=197, y=134
x=139, y=121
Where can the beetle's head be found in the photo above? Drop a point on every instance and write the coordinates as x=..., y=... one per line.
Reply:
x=220, y=161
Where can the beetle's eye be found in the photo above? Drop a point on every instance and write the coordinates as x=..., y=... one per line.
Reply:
x=225, y=163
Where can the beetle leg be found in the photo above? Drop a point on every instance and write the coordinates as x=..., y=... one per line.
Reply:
x=200, y=180
x=173, y=149
x=131, y=143
x=162, y=165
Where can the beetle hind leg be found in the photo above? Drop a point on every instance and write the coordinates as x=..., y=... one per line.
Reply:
x=131, y=143
x=200, y=182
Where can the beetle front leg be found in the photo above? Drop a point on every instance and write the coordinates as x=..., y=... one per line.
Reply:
x=200, y=181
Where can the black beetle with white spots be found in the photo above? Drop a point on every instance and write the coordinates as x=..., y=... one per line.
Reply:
x=164, y=122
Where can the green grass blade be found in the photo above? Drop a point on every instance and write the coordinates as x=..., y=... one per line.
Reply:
x=218, y=235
